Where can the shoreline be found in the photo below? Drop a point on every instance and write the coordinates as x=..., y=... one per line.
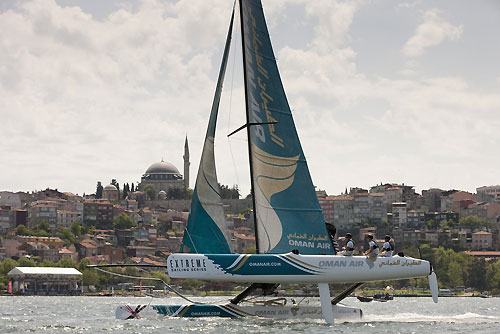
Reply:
x=105, y=294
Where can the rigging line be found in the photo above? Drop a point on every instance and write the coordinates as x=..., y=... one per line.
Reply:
x=151, y=279
x=232, y=79
x=192, y=242
x=231, y=99
x=232, y=74
x=301, y=301
x=168, y=286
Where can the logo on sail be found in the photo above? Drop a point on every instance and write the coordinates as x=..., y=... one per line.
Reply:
x=273, y=174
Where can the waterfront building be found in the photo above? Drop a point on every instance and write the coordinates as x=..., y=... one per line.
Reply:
x=45, y=281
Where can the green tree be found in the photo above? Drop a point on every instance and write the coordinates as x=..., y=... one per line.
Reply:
x=116, y=184
x=427, y=252
x=82, y=265
x=66, y=235
x=25, y=262
x=123, y=221
x=444, y=240
x=455, y=275
x=47, y=263
x=250, y=250
x=150, y=191
x=90, y=277
x=431, y=224
x=99, y=189
x=66, y=263
x=126, y=190
x=229, y=193
x=174, y=193
x=23, y=230
x=443, y=225
x=7, y=265
x=43, y=226
x=493, y=273
x=474, y=223
x=76, y=229
x=477, y=278
x=131, y=271
x=160, y=275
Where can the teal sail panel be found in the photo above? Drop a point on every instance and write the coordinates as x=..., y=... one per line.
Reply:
x=206, y=230
x=287, y=209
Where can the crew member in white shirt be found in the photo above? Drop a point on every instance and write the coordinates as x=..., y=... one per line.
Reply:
x=372, y=252
x=387, y=247
x=349, y=246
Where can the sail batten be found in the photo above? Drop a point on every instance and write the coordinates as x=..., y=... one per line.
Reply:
x=287, y=211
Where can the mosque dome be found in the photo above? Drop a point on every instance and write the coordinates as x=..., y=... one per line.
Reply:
x=162, y=168
x=110, y=192
x=110, y=187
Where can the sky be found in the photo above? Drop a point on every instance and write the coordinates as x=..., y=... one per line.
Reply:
x=381, y=91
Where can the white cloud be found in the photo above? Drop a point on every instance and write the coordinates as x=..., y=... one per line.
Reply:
x=83, y=99
x=431, y=32
x=428, y=120
x=78, y=93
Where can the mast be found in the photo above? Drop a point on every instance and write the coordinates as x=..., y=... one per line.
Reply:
x=252, y=186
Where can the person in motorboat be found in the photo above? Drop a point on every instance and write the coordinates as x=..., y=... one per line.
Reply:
x=348, y=249
x=372, y=252
x=387, y=247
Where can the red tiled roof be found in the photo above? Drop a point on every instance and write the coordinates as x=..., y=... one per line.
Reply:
x=341, y=198
x=244, y=237
x=140, y=247
x=484, y=253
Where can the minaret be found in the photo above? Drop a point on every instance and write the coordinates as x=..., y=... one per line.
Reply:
x=186, y=163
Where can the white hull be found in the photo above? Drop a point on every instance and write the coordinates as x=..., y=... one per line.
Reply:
x=341, y=312
x=292, y=268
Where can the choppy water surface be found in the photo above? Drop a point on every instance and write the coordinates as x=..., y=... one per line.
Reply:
x=96, y=314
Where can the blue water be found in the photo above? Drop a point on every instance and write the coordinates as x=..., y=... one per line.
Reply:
x=96, y=315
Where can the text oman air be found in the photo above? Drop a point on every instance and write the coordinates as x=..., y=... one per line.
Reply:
x=309, y=244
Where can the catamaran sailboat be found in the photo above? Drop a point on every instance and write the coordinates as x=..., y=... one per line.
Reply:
x=292, y=242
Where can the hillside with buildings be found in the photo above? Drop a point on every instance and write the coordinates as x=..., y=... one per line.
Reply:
x=145, y=223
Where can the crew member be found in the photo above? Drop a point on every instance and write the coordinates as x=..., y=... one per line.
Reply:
x=349, y=246
x=387, y=248
x=372, y=252
x=332, y=231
